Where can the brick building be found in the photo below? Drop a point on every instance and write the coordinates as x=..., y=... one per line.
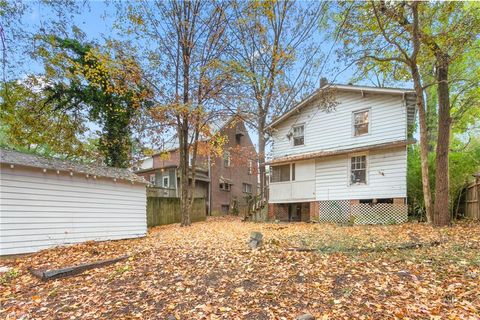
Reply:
x=226, y=181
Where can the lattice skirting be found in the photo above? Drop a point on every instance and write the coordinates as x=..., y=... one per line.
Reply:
x=343, y=211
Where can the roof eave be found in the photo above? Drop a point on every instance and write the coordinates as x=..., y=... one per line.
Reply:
x=322, y=154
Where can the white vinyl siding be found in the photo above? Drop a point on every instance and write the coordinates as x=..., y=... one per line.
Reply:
x=333, y=130
x=300, y=189
x=41, y=210
x=386, y=176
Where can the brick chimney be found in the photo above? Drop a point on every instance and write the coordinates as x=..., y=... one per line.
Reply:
x=323, y=82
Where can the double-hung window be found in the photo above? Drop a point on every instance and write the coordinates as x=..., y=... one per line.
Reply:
x=166, y=182
x=152, y=179
x=247, y=188
x=361, y=122
x=225, y=186
x=358, y=170
x=250, y=166
x=298, y=135
x=226, y=159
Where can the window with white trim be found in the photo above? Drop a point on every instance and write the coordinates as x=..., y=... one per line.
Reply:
x=358, y=169
x=166, y=182
x=250, y=166
x=280, y=173
x=226, y=159
x=152, y=179
x=298, y=135
x=225, y=186
x=247, y=188
x=361, y=122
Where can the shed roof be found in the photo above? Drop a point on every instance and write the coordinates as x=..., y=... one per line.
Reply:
x=407, y=93
x=36, y=161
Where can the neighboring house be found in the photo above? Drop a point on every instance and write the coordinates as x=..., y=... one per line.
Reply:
x=226, y=182
x=48, y=202
x=345, y=165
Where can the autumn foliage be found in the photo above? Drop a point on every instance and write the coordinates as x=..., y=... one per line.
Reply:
x=207, y=271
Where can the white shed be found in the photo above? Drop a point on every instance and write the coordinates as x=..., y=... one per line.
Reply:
x=49, y=202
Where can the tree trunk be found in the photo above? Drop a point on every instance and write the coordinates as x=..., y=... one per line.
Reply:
x=184, y=174
x=422, y=118
x=442, y=214
x=185, y=204
x=427, y=196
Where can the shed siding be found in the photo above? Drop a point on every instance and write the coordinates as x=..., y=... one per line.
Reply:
x=40, y=210
x=386, y=176
x=333, y=130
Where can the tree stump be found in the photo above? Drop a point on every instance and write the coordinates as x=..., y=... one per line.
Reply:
x=256, y=240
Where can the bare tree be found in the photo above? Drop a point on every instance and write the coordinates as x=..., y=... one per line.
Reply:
x=274, y=60
x=184, y=44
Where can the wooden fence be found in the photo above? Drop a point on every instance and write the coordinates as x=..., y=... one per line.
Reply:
x=162, y=210
x=161, y=192
x=472, y=201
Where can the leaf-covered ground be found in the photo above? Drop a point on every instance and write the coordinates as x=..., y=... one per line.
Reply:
x=207, y=271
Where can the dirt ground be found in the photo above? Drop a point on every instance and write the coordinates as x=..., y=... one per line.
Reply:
x=208, y=271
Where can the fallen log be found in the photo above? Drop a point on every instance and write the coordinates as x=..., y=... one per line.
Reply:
x=405, y=246
x=73, y=270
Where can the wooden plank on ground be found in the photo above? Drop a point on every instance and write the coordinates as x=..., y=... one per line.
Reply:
x=73, y=270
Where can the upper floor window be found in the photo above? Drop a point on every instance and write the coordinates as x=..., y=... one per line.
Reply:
x=190, y=156
x=250, y=166
x=361, y=122
x=226, y=159
x=225, y=186
x=358, y=170
x=166, y=182
x=299, y=135
x=247, y=188
x=282, y=173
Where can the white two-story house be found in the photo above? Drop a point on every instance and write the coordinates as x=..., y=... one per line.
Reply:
x=347, y=164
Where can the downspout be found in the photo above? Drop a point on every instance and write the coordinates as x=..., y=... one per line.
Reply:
x=176, y=182
x=209, y=187
x=405, y=98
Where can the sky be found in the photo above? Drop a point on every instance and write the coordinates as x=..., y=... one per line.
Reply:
x=97, y=21
x=98, y=18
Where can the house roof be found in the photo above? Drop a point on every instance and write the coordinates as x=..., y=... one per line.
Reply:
x=216, y=125
x=353, y=88
x=329, y=153
x=31, y=160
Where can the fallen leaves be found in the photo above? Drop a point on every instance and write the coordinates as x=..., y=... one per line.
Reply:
x=207, y=271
